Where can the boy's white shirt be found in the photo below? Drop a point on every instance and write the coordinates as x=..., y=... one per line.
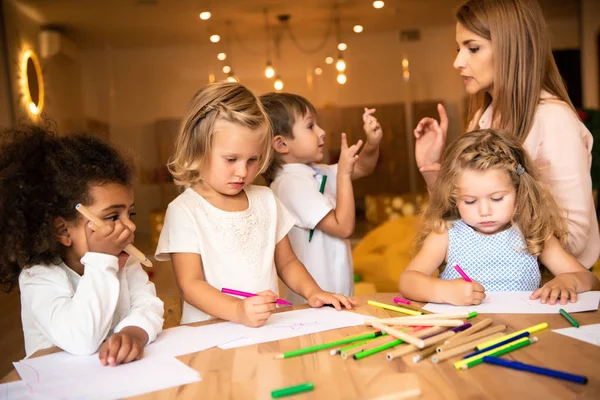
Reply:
x=327, y=258
x=77, y=313
x=237, y=248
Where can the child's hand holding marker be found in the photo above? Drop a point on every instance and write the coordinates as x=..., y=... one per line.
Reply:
x=465, y=291
x=255, y=311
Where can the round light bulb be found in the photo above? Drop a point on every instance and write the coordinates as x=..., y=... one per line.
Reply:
x=358, y=28
x=215, y=38
x=341, y=78
x=278, y=85
x=378, y=4
x=318, y=71
x=205, y=15
x=405, y=63
x=340, y=65
x=232, y=78
x=329, y=60
x=342, y=46
x=221, y=56
x=269, y=71
x=226, y=69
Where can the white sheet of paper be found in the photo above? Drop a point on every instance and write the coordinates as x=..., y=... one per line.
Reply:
x=585, y=333
x=63, y=375
x=14, y=391
x=519, y=303
x=294, y=323
x=186, y=339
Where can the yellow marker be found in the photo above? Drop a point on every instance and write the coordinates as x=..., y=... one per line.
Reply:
x=465, y=361
x=531, y=329
x=393, y=308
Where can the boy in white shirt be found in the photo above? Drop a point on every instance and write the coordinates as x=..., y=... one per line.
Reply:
x=324, y=208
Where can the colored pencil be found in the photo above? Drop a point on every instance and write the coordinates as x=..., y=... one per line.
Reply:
x=507, y=348
x=462, y=348
x=535, y=369
x=462, y=273
x=400, y=335
x=415, y=308
x=421, y=317
x=393, y=308
x=401, y=300
x=499, y=344
x=423, y=354
x=473, y=329
x=321, y=190
x=288, y=391
x=246, y=294
x=98, y=223
x=476, y=336
x=329, y=345
x=419, y=334
x=423, y=322
x=531, y=329
x=569, y=318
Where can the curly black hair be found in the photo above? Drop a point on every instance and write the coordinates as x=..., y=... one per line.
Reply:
x=42, y=177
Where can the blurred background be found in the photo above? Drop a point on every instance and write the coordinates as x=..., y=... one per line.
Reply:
x=125, y=70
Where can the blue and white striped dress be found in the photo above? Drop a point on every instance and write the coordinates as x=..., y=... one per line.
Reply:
x=499, y=262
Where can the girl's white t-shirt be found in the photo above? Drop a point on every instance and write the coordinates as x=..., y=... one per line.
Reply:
x=237, y=248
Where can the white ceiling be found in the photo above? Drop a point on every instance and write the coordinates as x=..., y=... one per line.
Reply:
x=130, y=23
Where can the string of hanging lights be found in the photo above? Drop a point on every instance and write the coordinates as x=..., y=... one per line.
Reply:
x=334, y=28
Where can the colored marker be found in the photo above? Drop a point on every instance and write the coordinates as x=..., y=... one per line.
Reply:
x=329, y=345
x=288, y=391
x=462, y=273
x=535, y=369
x=246, y=294
x=393, y=308
x=507, y=341
x=401, y=300
x=321, y=190
x=569, y=318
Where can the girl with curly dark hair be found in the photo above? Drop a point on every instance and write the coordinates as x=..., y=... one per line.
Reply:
x=77, y=285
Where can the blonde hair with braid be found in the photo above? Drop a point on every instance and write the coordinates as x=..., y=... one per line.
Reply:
x=537, y=214
x=229, y=101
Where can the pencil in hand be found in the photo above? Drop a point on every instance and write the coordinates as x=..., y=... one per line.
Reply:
x=98, y=223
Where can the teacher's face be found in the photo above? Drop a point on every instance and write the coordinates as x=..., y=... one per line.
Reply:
x=474, y=61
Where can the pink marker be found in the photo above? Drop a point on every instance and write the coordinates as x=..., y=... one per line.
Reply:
x=462, y=273
x=246, y=294
x=401, y=300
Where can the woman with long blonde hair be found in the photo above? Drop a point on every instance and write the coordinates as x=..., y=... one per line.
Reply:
x=490, y=215
x=505, y=59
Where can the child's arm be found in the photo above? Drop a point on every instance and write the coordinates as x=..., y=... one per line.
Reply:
x=189, y=275
x=367, y=160
x=77, y=323
x=417, y=282
x=570, y=276
x=297, y=278
x=141, y=325
x=340, y=222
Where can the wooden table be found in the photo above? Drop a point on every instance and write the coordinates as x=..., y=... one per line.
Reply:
x=252, y=373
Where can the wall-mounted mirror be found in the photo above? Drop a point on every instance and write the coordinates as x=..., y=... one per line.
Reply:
x=33, y=85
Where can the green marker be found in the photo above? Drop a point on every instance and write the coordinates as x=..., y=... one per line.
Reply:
x=377, y=349
x=501, y=352
x=472, y=314
x=329, y=345
x=288, y=391
x=321, y=190
x=569, y=318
